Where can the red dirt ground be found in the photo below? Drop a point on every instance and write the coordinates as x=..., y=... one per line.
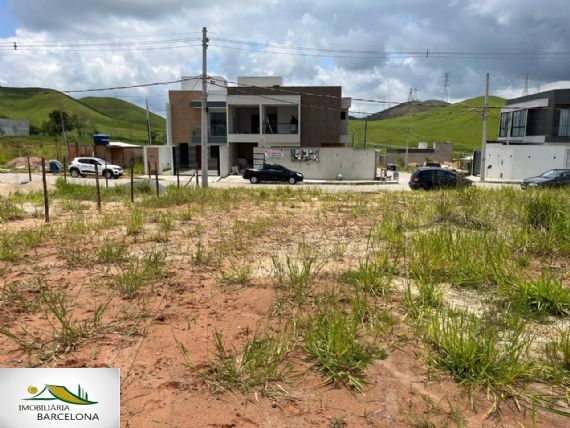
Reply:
x=160, y=386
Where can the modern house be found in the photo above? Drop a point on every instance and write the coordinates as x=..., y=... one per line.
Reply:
x=534, y=135
x=256, y=118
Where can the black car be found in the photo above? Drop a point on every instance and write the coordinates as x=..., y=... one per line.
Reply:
x=272, y=172
x=550, y=178
x=427, y=177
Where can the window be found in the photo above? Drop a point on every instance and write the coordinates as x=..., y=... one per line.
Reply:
x=217, y=124
x=564, y=124
x=504, y=129
x=519, y=123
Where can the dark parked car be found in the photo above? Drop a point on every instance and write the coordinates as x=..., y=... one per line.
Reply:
x=272, y=172
x=391, y=167
x=550, y=178
x=427, y=177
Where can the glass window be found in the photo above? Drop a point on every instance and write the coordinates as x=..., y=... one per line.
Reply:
x=519, y=123
x=564, y=124
x=217, y=124
x=504, y=129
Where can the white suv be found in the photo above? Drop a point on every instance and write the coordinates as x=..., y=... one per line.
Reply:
x=85, y=165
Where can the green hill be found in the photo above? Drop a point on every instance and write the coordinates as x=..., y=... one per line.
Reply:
x=460, y=123
x=120, y=119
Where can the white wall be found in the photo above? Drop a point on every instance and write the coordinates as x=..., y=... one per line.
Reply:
x=350, y=163
x=516, y=162
x=164, y=156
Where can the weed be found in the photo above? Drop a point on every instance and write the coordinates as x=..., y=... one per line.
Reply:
x=558, y=351
x=539, y=298
x=332, y=341
x=128, y=281
x=338, y=422
x=261, y=360
x=9, y=211
x=475, y=353
x=67, y=331
x=201, y=256
x=236, y=273
x=135, y=221
x=372, y=277
x=112, y=251
x=295, y=275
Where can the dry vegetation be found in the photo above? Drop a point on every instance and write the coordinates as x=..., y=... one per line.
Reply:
x=295, y=307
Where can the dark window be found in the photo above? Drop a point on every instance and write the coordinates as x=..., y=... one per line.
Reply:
x=564, y=124
x=519, y=123
x=342, y=115
x=217, y=124
x=504, y=129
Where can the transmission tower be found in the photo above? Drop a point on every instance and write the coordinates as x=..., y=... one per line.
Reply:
x=411, y=95
x=445, y=85
x=526, y=78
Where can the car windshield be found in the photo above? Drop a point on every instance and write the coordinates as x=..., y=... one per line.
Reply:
x=549, y=174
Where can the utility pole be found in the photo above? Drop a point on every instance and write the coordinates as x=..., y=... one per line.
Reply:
x=204, y=109
x=63, y=134
x=407, y=145
x=484, y=140
x=148, y=134
x=365, y=130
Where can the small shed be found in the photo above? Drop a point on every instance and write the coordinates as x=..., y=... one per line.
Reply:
x=119, y=153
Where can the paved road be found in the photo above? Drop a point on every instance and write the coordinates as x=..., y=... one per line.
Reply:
x=14, y=181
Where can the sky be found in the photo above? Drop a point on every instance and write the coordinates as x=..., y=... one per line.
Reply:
x=381, y=52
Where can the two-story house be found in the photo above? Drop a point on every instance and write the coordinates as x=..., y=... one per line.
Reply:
x=254, y=113
x=534, y=135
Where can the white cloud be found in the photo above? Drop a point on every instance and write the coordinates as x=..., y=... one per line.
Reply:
x=374, y=50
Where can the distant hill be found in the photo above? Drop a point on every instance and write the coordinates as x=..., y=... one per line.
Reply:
x=120, y=119
x=409, y=107
x=460, y=123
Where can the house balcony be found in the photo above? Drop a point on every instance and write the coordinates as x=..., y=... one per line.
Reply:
x=277, y=124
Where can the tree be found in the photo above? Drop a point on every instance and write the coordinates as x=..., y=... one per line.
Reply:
x=55, y=119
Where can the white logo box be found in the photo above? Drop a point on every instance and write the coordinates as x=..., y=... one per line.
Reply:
x=62, y=398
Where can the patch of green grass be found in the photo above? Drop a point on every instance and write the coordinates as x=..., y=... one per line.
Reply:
x=463, y=258
x=9, y=211
x=475, y=352
x=332, y=340
x=261, y=361
x=537, y=298
x=67, y=329
x=374, y=277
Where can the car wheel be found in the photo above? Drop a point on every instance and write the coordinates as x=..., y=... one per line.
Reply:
x=292, y=180
x=108, y=174
x=74, y=173
x=524, y=186
x=253, y=180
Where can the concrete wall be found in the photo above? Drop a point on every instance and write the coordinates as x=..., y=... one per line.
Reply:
x=164, y=156
x=350, y=163
x=440, y=152
x=509, y=162
x=14, y=128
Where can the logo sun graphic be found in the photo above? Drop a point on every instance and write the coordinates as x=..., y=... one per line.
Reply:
x=32, y=389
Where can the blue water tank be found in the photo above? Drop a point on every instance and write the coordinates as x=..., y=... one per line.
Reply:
x=101, y=139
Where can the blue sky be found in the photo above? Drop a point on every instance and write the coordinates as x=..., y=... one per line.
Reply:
x=7, y=22
x=375, y=50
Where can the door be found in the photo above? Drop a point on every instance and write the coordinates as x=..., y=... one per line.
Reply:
x=152, y=159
